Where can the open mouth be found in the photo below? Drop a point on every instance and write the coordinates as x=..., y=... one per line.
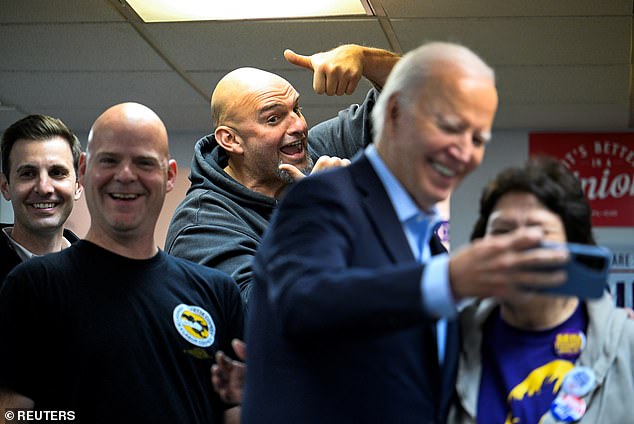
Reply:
x=292, y=149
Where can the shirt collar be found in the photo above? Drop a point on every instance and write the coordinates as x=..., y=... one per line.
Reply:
x=24, y=253
x=402, y=202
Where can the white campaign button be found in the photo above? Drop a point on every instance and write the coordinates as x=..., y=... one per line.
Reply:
x=579, y=381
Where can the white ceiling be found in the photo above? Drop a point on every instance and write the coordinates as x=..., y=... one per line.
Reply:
x=561, y=64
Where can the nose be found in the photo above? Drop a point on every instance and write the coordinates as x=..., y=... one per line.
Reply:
x=125, y=172
x=462, y=148
x=298, y=124
x=44, y=184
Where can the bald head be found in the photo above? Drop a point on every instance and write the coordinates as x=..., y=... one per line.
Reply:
x=128, y=120
x=238, y=88
x=126, y=172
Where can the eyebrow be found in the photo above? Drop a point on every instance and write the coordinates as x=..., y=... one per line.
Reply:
x=500, y=221
x=25, y=166
x=450, y=119
x=268, y=108
x=30, y=166
x=118, y=155
x=276, y=105
x=460, y=123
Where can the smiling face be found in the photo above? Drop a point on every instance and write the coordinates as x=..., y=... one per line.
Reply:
x=440, y=138
x=42, y=187
x=126, y=174
x=262, y=127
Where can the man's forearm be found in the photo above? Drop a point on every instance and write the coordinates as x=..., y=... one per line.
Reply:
x=377, y=65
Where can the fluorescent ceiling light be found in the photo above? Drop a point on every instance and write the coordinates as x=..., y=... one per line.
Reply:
x=203, y=10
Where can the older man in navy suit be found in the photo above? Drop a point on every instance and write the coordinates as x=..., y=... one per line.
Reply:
x=354, y=296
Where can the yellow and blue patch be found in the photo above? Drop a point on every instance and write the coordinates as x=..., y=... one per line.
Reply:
x=195, y=325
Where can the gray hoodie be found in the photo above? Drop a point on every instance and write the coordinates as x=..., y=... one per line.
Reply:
x=220, y=222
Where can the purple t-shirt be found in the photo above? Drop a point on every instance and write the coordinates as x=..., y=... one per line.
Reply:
x=522, y=371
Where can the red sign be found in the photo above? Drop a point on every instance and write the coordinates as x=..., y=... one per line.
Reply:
x=604, y=162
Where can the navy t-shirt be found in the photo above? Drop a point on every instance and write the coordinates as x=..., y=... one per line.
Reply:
x=116, y=339
x=522, y=371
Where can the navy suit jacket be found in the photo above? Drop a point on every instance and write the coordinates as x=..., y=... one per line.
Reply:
x=336, y=329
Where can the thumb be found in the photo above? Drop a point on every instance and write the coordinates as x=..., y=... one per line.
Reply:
x=295, y=173
x=298, y=59
x=240, y=348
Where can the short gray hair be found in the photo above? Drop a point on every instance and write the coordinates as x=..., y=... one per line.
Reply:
x=411, y=72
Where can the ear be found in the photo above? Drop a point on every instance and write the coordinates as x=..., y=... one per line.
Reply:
x=79, y=189
x=392, y=113
x=228, y=139
x=81, y=169
x=172, y=171
x=393, y=106
x=4, y=186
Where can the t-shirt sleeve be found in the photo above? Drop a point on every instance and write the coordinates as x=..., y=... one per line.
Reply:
x=238, y=313
x=235, y=312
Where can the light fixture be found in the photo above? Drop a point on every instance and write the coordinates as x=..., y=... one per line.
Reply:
x=204, y=10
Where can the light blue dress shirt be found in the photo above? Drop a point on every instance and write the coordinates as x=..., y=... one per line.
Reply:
x=437, y=298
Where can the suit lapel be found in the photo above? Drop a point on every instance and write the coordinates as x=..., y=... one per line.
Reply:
x=378, y=208
x=435, y=245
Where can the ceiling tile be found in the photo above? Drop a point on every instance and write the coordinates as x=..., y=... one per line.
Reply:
x=50, y=91
x=528, y=41
x=563, y=84
x=72, y=47
x=228, y=45
x=47, y=11
x=487, y=8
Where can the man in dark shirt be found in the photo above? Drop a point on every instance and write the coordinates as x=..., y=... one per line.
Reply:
x=112, y=329
x=39, y=177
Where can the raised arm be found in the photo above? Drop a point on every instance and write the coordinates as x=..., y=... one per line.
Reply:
x=321, y=252
x=338, y=71
x=502, y=266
